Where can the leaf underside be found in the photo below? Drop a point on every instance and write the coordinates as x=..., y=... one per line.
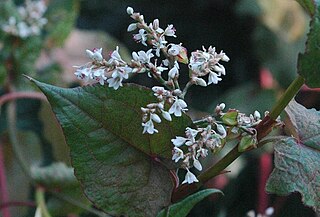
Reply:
x=111, y=157
x=297, y=160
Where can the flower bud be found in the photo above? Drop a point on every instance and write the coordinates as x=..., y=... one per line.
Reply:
x=225, y=58
x=201, y=82
x=197, y=164
x=132, y=27
x=174, y=72
x=166, y=115
x=155, y=118
x=130, y=10
x=257, y=115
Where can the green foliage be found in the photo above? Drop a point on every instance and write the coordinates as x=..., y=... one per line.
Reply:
x=61, y=15
x=309, y=61
x=103, y=129
x=297, y=160
x=182, y=208
x=246, y=142
x=308, y=5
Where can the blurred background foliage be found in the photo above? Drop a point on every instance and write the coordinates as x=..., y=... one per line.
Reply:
x=261, y=37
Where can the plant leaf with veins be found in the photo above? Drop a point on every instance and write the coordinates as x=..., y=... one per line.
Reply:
x=112, y=158
x=297, y=160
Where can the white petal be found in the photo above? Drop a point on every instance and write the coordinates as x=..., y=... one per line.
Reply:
x=190, y=178
x=178, y=141
x=201, y=82
x=166, y=115
x=269, y=211
x=130, y=10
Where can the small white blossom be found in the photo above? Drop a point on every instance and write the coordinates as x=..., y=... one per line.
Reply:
x=99, y=76
x=95, y=54
x=190, y=178
x=141, y=37
x=159, y=44
x=178, y=141
x=213, y=78
x=202, y=152
x=142, y=56
x=257, y=115
x=178, y=107
x=173, y=73
x=222, y=131
x=170, y=31
x=117, y=77
x=149, y=127
x=177, y=154
x=115, y=57
x=201, y=82
x=174, y=49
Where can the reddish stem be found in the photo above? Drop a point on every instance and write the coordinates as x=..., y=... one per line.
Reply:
x=21, y=95
x=265, y=170
x=4, y=197
x=17, y=203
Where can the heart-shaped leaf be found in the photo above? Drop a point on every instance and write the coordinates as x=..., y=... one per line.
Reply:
x=112, y=158
x=297, y=160
x=182, y=208
x=309, y=62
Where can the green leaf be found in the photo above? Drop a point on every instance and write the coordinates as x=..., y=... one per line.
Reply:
x=110, y=154
x=309, y=62
x=61, y=15
x=308, y=5
x=247, y=142
x=306, y=123
x=297, y=160
x=230, y=118
x=182, y=208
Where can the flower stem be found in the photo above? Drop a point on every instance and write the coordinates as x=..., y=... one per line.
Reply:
x=263, y=128
x=288, y=95
x=41, y=202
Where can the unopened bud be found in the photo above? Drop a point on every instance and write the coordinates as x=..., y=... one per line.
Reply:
x=166, y=115
x=132, y=27
x=155, y=118
x=130, y=10
x=257, y=115
x=201, y=82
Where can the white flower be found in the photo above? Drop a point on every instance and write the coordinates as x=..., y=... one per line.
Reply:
x=115, y=57
x=149, y=127
x=141, y=37
x=201, y=82
x=159, y=44
x=178, y=141
x=143, y=57
x=257, y=115
x=132, y=27
x=190, y=178
x=213, y=78
x=160, y=69
x=220, y=69
x=202, y=152
x=173, y=73
x=174, y=50
x=191, y=133
x=23, y=30
x=95, y=54
x=170, y=31
x=117, y=76
x=178, y=107
x=130, y=10
x=197, y=164
x=177, y=154
x=99, y=76
x=83, y=72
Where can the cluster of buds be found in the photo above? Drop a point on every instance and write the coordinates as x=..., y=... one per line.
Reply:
x=30, y=20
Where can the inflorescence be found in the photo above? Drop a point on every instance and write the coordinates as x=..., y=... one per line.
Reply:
x=163, y=57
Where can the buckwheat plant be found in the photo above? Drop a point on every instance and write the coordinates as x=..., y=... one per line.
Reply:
x=162, y=60
x=129, y=142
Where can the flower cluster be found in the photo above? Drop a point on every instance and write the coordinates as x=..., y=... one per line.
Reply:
x=206, y=62
x=30, y=20
x=210, y=136
x=178, y=106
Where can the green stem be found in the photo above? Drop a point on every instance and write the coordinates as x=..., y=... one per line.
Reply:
x=41, y=202
x=263, y=129
x=288, y=95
